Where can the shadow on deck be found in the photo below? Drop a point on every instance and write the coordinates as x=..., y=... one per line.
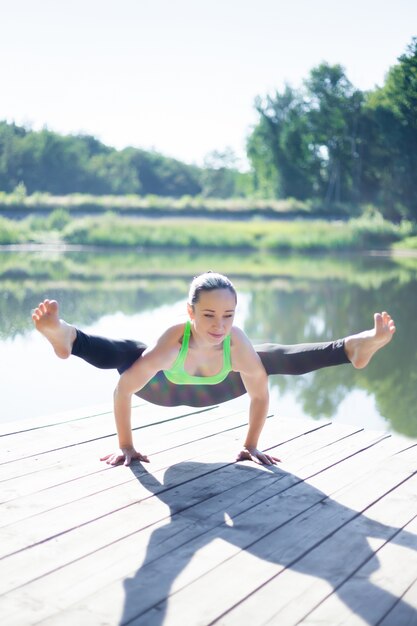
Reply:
x=327, y=537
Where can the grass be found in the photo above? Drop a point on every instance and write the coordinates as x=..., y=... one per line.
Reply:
x=112, y=230
x=77, y=202
x=12, y=232
x=20, y=204
x=294, y=235
x=409, y=243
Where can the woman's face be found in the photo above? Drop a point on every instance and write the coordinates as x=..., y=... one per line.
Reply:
x=212, y=316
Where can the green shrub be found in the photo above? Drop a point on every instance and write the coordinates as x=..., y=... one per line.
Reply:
x=11, y=231
x=409, y=243
x=58, y=219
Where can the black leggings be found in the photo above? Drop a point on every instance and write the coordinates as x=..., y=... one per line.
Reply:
x=277, y=359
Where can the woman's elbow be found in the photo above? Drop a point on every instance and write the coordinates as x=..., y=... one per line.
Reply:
x=260, y=396
x=123, y=389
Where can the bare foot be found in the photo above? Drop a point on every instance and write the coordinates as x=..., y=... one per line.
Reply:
x=59, y=334
x=361, y=348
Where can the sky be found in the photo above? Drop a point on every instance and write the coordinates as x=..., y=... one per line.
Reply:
x=181, y=76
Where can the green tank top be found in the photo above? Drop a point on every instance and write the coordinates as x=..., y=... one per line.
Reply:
x=177, y=374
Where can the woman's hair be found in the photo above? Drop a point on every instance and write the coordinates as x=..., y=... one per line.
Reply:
x=208, y=282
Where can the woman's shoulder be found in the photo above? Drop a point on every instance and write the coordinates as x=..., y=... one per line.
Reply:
x=172, y=334
x=244, y=356
x=167, y=346
x=239, y=338
x=237, y=334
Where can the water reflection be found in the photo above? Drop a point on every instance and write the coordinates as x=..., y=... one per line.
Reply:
x=332, y=308
x=290, y=300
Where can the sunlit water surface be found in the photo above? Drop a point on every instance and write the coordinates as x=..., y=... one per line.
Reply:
x=282, y=308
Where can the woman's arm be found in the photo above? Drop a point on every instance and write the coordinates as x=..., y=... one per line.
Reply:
x=254, y=377
x=161, y=356
x=257, y=388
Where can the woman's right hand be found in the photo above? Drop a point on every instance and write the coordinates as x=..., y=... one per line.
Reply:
x=125, y=456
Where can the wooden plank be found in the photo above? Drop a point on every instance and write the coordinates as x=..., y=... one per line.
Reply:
x=314, y=577
x=361, y=600
x=377, y=586
x=38, y=589
x=32, y=505
x=76, y=464
x=55, y=519
x=403, y=613
x=260, y=558
x=52, y=420
x=319, y=443
x=81, y=465
x=39, y=519
x=147, y=430
x=68, y=434
x=105, y=490
x=51, y=440
x=64, y=457
x=155, y=438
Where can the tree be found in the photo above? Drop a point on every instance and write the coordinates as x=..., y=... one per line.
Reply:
x=334, y=113
x=114, y=173
x=280, y=147
x=392, y=110
x=11, y=173
x=163, y=176
x=47, y=161
x=306, y=143
x=220, y=177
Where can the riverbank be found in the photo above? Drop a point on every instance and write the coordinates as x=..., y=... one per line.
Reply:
x=235, y=224
x=19, y=205
x=110, y=230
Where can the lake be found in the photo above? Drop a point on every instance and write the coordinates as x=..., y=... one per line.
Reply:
x=288, y=299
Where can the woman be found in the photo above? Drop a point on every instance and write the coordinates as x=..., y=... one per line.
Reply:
x=203, y=362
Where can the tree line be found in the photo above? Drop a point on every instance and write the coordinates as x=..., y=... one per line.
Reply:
x=331, y=141
x=326, y=142
x=46, y=161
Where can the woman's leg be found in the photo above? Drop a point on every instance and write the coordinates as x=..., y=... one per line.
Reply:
x=106, y=353
x=356, y=349
x=98, y=351
x=277, y=359
x=301, y=358
x=296, y=359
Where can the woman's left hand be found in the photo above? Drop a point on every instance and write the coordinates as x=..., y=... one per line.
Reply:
x=125, y=456
x=253, y=454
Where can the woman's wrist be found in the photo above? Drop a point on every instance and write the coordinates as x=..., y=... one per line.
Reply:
x=126, y=446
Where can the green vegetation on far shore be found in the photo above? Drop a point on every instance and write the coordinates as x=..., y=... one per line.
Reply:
x=111, y=230
x=18, y=204
x=409, y=243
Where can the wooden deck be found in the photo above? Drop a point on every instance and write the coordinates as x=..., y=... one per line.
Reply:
x=328, y=537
